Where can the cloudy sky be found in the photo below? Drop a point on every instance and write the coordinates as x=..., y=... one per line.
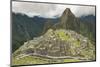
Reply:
x=50, y=10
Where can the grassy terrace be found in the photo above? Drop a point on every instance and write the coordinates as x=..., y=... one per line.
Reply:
x=40, y=60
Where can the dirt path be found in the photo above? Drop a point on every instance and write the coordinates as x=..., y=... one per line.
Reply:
x=51, y=57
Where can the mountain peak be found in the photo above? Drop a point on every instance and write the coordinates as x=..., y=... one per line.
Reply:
x=66, y=18
x=67, y=12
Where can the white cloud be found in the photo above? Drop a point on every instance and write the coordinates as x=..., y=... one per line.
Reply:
x=50, y=10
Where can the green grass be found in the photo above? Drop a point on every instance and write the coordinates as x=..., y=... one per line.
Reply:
x=77, y=43
x=71, y=60
x=39, y=60
x=29, y=60
x=62, y=35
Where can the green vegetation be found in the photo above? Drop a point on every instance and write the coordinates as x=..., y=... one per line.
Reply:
x=77, y=43
x=55, y=43
x=39, y=60
x=29, y=60
x=71, y=60
x=70, y=40
x=63, y=35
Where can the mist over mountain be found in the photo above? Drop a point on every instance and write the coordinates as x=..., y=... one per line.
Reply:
x=50, y=10
x=25, y=28
x=39, y=40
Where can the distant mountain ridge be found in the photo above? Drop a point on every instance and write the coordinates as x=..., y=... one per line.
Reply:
x=82, y=25
x=25, y=28
x=60, y=40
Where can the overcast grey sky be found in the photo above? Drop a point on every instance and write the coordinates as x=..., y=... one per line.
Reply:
x=50, y=10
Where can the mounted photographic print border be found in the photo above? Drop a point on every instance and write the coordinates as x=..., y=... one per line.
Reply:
x=52, y=33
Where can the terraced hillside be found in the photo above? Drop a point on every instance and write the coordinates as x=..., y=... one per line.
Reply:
x=61, y=40
x=55, y=46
